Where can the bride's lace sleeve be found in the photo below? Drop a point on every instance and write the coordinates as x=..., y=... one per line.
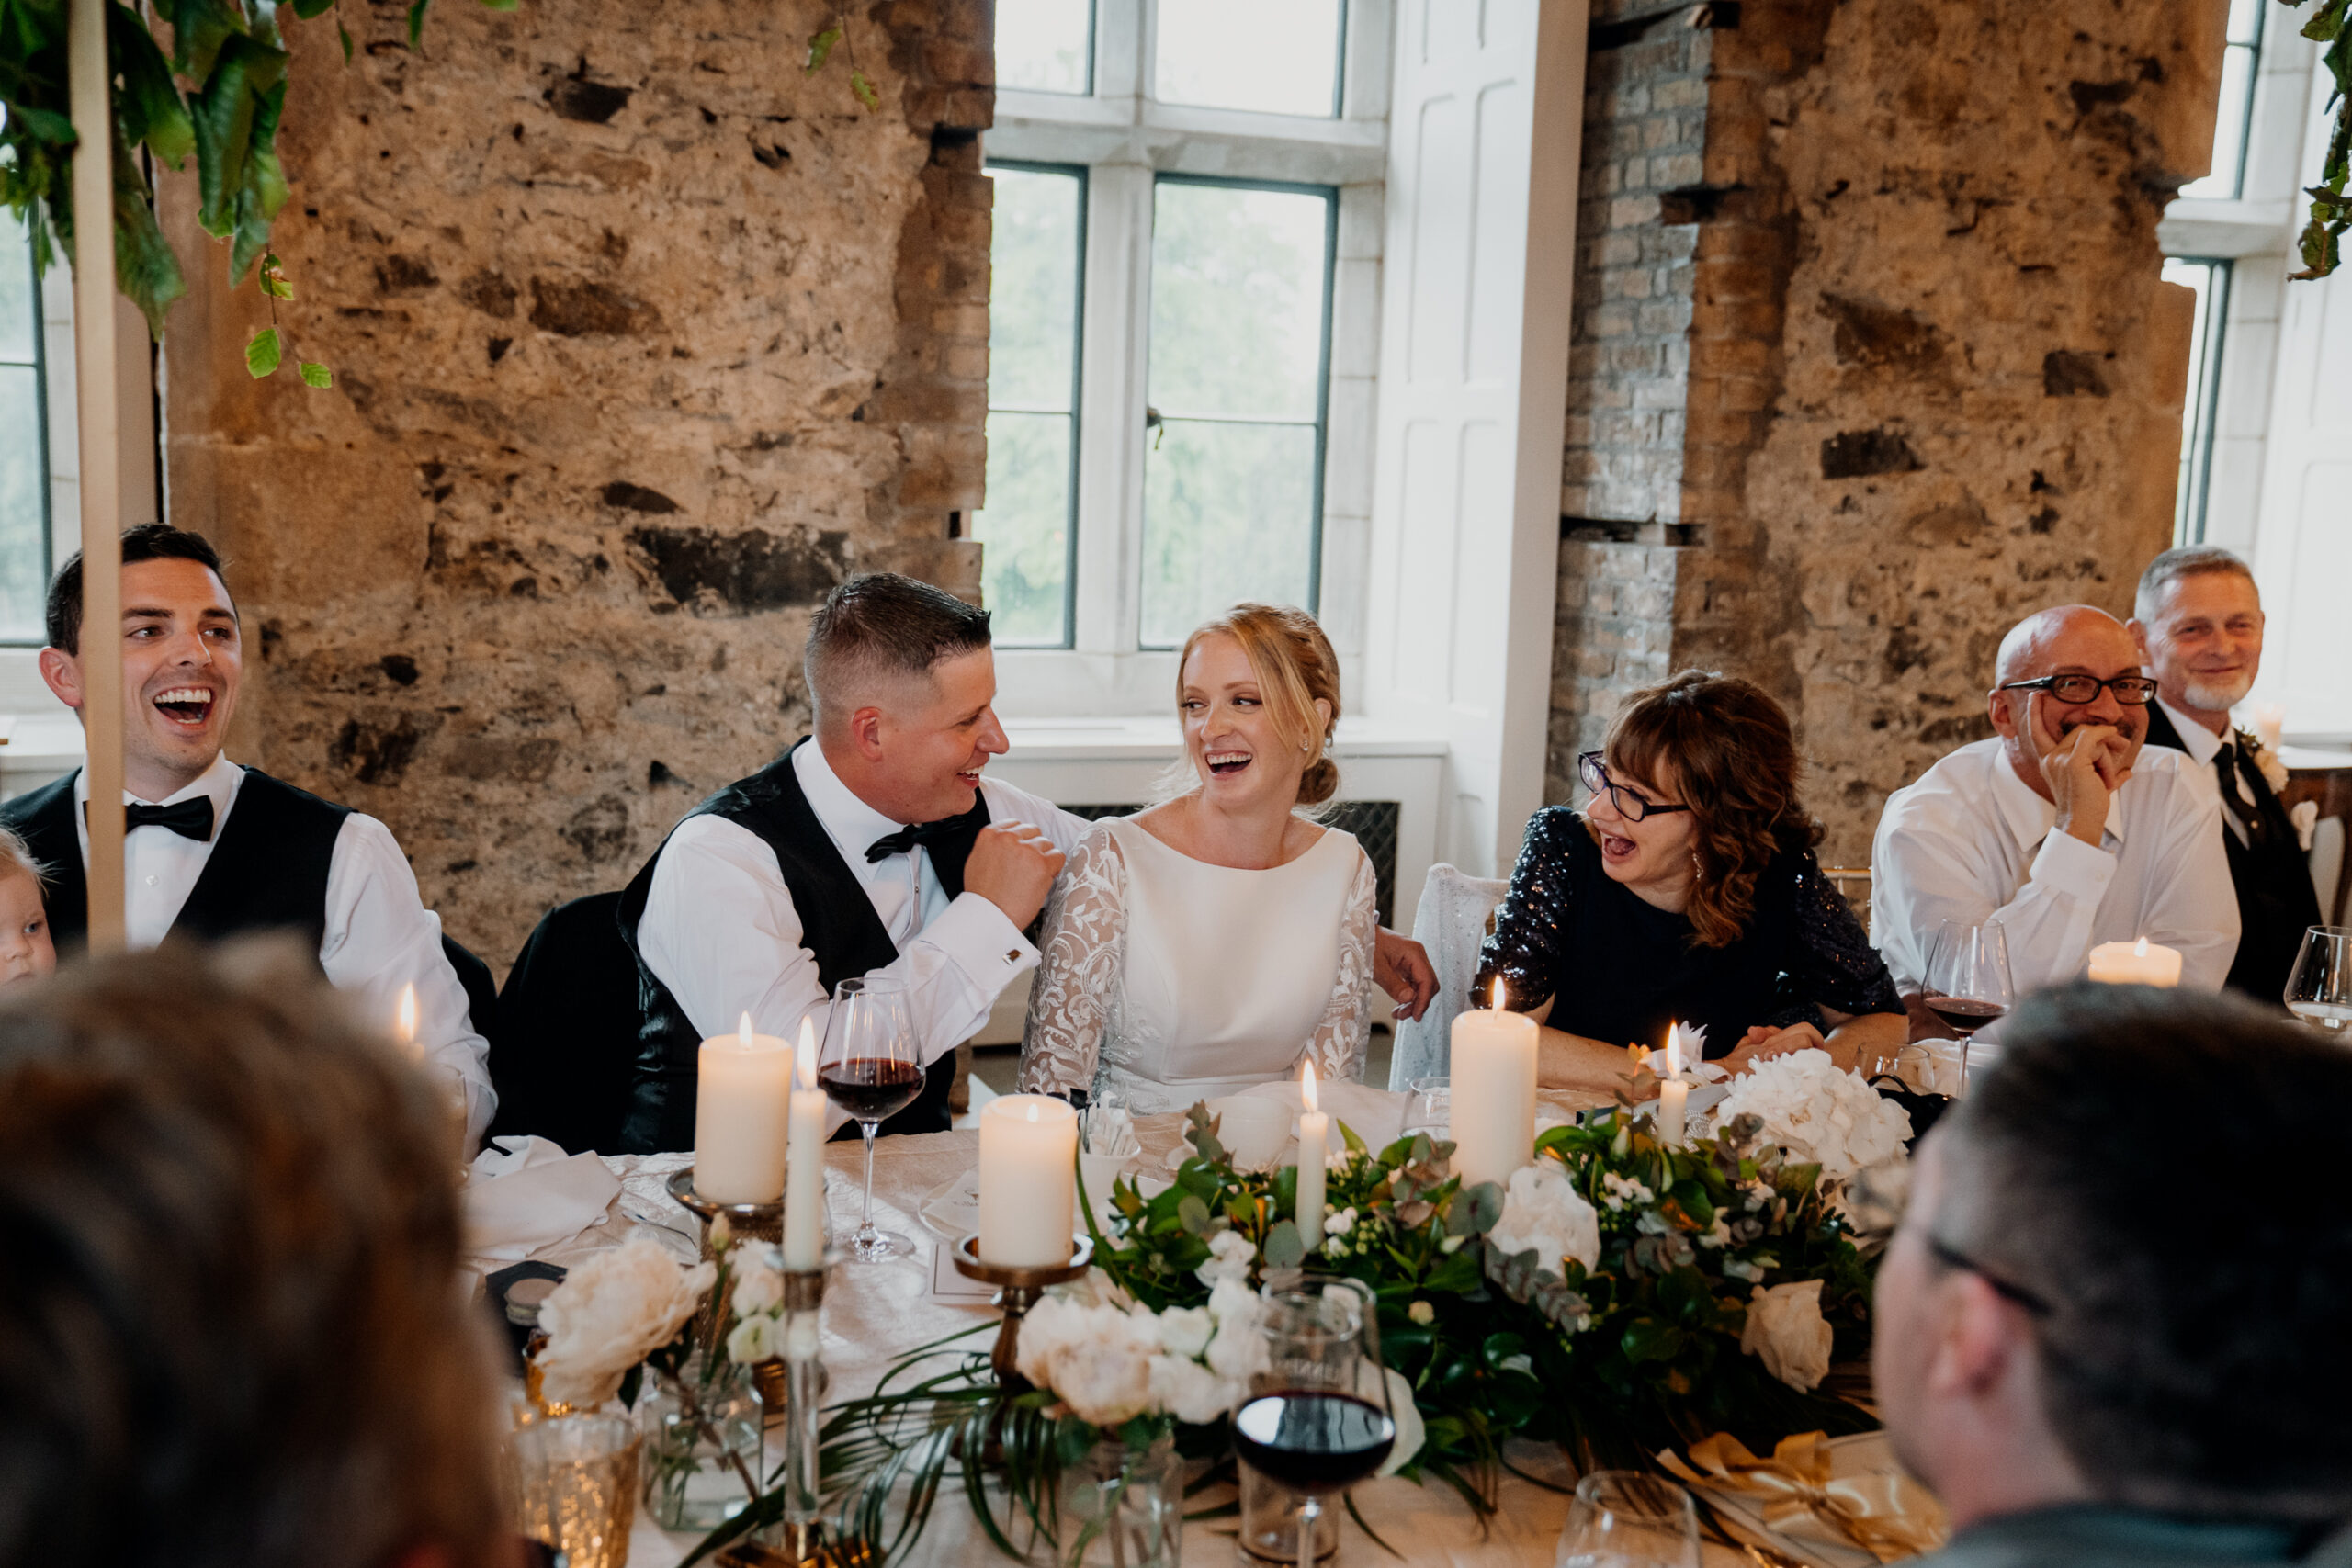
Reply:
x=1078, y=968
x=1345, y=1035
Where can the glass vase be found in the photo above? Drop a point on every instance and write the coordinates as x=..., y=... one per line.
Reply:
x=702, y=1447
x=1122, y=1506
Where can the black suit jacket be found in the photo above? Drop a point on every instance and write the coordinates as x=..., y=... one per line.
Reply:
x=2277, y=903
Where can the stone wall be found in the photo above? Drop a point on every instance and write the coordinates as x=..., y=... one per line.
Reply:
x=1935, y=382
x=642, y=341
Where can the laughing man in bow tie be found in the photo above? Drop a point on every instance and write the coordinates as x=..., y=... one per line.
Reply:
x=212, y=849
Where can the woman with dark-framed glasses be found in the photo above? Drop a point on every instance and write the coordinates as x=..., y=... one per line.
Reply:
x=1686, y=890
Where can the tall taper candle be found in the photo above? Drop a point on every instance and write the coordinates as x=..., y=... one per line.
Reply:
x=803, y=1160
x=1673, y=1094
x=1314, y=1127
x=1493, y=1117
x=1028, y=1149
x=743, y=1080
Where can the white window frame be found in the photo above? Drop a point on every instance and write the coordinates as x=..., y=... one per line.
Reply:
x=1125, y=139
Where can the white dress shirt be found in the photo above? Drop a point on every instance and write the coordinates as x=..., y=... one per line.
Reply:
x=379, y=936
x=1971, y=841
x=719, y=928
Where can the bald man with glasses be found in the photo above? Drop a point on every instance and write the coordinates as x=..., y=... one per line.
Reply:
x=2059, y=825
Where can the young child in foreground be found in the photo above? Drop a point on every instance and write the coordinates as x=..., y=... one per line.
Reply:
x=26, y=951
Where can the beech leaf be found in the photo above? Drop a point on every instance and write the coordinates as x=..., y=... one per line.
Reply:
x=820, y=48
x=863, y=90
x=315, y=374
x=263, y=354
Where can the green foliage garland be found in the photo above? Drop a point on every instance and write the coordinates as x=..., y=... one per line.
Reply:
x=2331, y=209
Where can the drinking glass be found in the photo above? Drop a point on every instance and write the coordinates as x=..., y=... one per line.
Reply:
x=1909, y=1065
x=1968, y=980
x=870, y=1068
x=575, y=1485
x=1428, y=1106
x=1627, y=1519
x=1317, y=1420
x=2320, y=989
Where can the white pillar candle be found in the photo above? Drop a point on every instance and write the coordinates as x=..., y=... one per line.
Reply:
x=1314, y=1126
x=2141, y=962
x=1028, y=1149
x=1492, y=1114
x=804, y=1159
x=1673, y=1094
x=2269, y=724
x=743, y=1083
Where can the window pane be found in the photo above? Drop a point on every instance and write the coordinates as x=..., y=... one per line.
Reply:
x=2230, y=124
x=20, y=299
x=1026, y=569
x=1045, y=46
x=24, y=519
x=2209, y=280
x=1031, y=428
x=1274, y=56
x=1238, y=302
x=1228, y=515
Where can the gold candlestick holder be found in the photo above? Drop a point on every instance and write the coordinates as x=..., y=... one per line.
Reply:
x=1017, y=1289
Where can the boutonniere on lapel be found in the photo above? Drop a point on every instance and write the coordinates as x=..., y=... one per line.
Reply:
x=2273, y=770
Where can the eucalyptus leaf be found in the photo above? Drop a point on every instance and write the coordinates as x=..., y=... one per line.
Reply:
x=1283, y=1249
x=1193, y=1215
x=262, y=354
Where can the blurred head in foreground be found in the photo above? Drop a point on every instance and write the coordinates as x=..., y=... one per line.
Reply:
x=230, y=1331
x=2122, y=1277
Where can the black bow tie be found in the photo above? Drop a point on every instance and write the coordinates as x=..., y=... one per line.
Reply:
x=905, y=839
x=189, y=818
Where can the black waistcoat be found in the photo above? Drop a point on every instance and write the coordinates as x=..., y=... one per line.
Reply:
x=267, y=870
x=838, y=927
x=2277, y=903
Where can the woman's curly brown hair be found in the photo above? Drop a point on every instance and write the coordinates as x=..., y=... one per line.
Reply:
x=1722, y=746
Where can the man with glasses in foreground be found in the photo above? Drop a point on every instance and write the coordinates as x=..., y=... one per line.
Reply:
x=2097, y=1354
x=2058, y=825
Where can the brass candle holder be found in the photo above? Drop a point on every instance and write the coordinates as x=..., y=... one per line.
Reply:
x=1017, y=1289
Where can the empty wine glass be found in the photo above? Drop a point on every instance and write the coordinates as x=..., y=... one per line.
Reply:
x=2320, y=989
x=1317, y=1420
x=869, y=1068
x=1627, y=1519
x=1968, y=980
x=1429, y=1108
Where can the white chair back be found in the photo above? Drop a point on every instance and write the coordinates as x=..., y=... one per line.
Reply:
x=1451, y=924
x=2329, y=862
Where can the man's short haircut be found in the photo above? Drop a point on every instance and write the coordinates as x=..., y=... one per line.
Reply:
x=231, y=1330
x=148, y=541
x=2162, y=1170
x=2189, y=561
x=880, y=629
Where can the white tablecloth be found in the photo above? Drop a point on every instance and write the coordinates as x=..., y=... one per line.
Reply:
x=875, y=1311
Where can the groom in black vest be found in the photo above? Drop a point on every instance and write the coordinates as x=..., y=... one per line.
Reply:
x=873, y=847
x=211, y=848
x=2198, y=623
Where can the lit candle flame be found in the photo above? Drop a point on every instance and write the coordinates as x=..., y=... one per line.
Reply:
x=1674, y=1052
x=1306, y=1085
x=1032, y=1109
x=804, y=1073
x=1494, y=994
x=2140, y=948
x=744, y=1032
x=404, y=1017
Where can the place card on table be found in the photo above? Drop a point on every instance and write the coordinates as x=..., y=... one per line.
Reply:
x=947, y=1285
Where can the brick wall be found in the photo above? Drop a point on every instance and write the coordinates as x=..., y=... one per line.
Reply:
x=642, y=341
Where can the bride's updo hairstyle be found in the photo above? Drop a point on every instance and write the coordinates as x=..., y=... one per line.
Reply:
x=1294, y=665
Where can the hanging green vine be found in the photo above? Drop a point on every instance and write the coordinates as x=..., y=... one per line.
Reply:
x=2331, y=202
x=218, y=93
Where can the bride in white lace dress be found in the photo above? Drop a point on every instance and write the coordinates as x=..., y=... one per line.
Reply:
x=1211, y=942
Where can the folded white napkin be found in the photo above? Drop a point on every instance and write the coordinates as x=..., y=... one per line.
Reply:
x=526, y=1194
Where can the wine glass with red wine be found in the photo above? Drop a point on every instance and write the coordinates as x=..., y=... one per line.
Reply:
x=870, y=1068
x=1968, y=980
x=1317, y=1420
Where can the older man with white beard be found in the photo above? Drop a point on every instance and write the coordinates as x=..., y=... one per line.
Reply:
x=2197, y=622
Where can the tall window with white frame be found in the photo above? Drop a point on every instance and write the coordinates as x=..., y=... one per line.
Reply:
x=1166, y=266
x=2208, y=278
x=2234, y=117
x=24, y=445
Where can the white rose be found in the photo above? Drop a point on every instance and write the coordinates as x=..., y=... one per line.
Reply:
x=1786, y=1331
x=1189, y=1392
x=1543, y=1210
x=754, y=1340
x=1238, y=1348
x=1185, y=1331
x=1401, y=1408
x=1340, y=1224
x=1097, y=1359
x=1230, y=1253
x=611, y=1312
x=759, y=1280
x=1230, y=1298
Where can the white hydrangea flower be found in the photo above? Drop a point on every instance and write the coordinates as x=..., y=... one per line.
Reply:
x=1096, y=1360
x=1340, y=1224
x=1231, y=1254
x=1818, y=1113
x=1543, y=1210
x=611, y=1312
x=1786, y=1331
x=1186, y=1331
x=1191, y=1391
